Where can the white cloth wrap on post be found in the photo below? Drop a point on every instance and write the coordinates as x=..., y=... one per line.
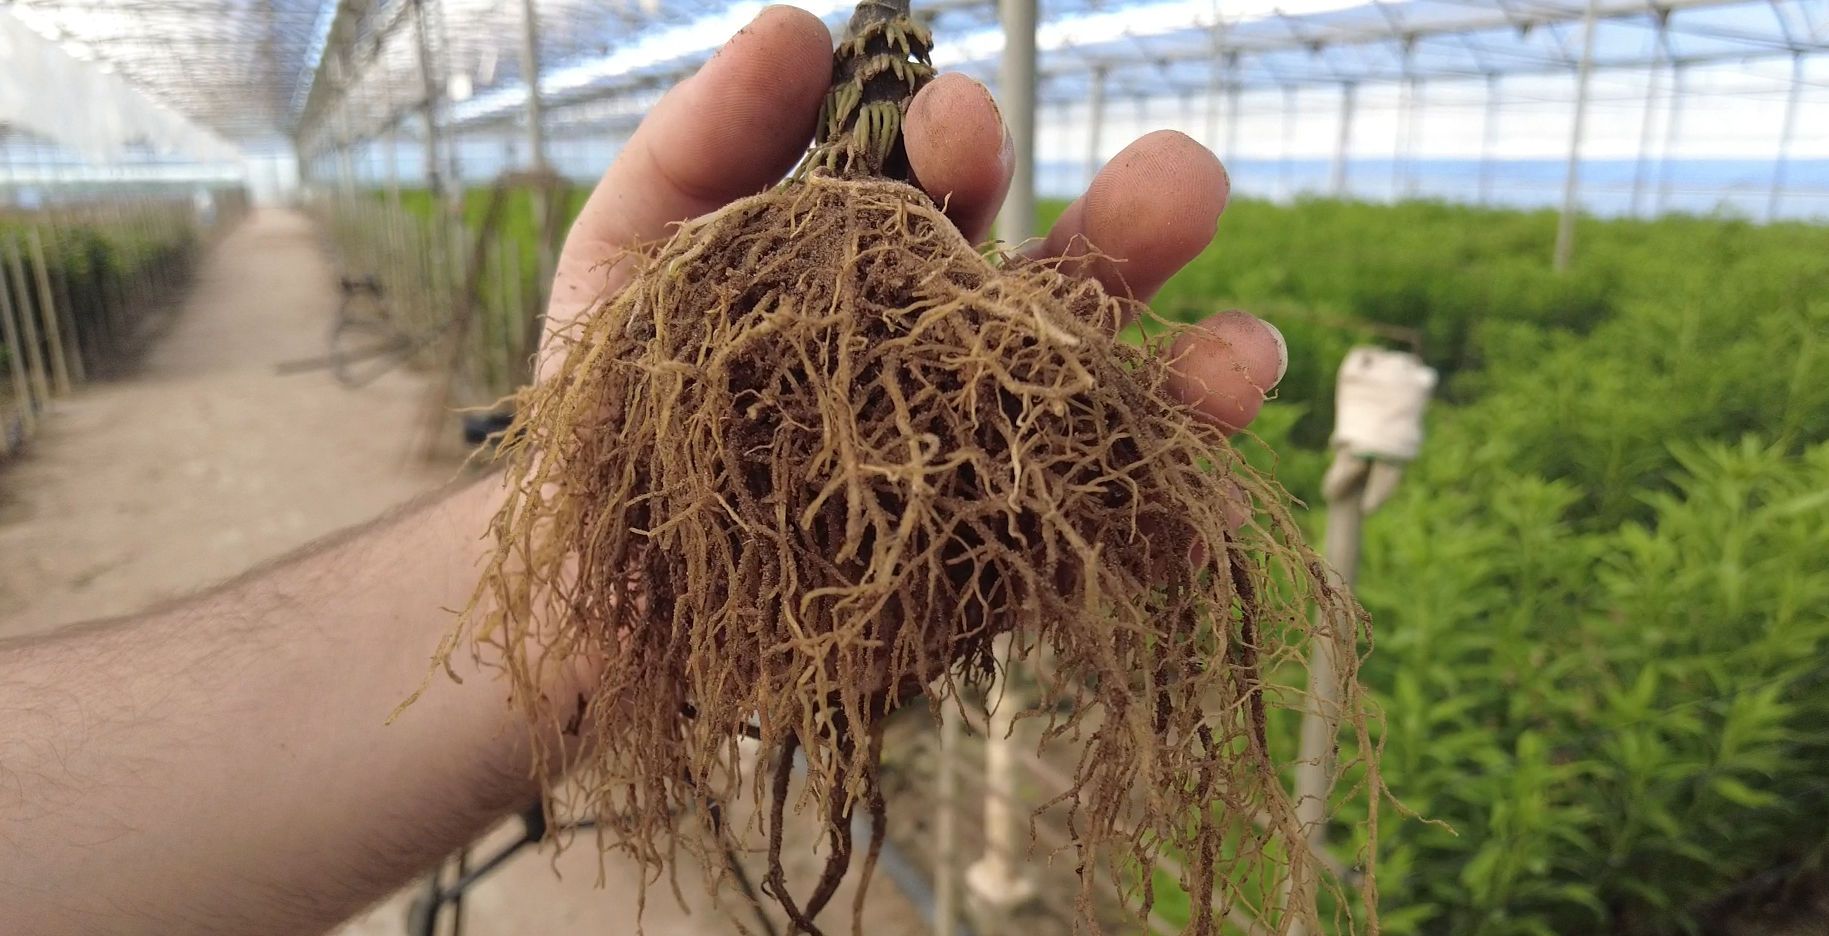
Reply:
x=1379, y=402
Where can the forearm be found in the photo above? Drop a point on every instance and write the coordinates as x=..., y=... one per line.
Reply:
x=225, y=765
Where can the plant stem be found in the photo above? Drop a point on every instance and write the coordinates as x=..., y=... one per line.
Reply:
x=876, y=71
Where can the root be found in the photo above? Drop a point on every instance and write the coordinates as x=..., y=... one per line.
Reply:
x=814, y=460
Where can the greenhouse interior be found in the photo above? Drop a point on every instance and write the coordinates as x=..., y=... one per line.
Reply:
x=695, y=466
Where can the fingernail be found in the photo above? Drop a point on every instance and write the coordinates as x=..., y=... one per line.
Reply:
x=1282, y=353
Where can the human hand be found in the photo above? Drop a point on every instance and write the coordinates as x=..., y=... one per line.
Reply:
x=742, y=122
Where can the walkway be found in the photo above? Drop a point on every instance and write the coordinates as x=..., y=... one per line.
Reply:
x=206, y=462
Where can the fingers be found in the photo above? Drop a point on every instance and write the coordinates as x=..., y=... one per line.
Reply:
x=730, y=130
x=960, y=152
x=1224, y=367
x=1152, y=209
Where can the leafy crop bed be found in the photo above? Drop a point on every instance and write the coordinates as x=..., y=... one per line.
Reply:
x=1602, y=594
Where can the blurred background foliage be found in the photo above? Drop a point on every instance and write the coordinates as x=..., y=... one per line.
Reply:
x=99, y=272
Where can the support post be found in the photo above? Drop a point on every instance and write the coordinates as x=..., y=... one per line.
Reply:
x=997, y=882
x=1349, y=95
x=1016, y=85
x=995, y=879
x=1641, y=168
x=530, y=75
x=544, y=200
x=946, y=826
x=1406, y=92
x=1216, y=86
x=1489, y=136
x=1284, y=185
x=1096, y=124
x=346, y=173
x=1234, y=94
x=428, y=77
x=1673, y=133
x=1571, y=179
x=1222, y=71
x=393, y=146
x=1781, y=167
x=1403, y=174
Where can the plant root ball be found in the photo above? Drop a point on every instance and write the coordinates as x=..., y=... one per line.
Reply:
x=813, y=460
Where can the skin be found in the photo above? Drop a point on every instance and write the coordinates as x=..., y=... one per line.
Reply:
x=225, y=765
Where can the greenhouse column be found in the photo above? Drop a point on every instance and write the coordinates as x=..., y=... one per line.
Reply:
x=1215, y=85
x=1489, y=135
x=1284, y=184
x=1232, y=106
x=1349, y=93
x=1641, y=167
x=1673, y=133
x=393, y=144
x=1783, y=163
x=530, y=75
x=429, y=80
x=1379, y=399
x=1096, y=122
x=996, y=880
x=1406, y=114
x=1571, y=179
x=544, y=205
x=1016, y=86
x=946, y=827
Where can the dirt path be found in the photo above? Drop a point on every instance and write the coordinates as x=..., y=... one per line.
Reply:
x=206, y=462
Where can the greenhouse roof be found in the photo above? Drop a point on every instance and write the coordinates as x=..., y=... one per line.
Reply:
x=327, y=69
x=1144, y=47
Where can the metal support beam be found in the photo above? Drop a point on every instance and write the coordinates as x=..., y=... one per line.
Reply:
x=1349, y=96
x=1016, y=85
x=1233, y=92
x=1219, y=68
x=393, y=147
x=1673, y=133
x=995, y=879
x=1660, y=59
x=1781, y=167
x=530, y=75
x=1489, y=137
x=946, y=832
x=429, y=79
x=1284, y=186
x=1571, y=180
x=1412, y=131
x=545, y=199
x=1096, y=124
x=346, y=171
x=1406, y=116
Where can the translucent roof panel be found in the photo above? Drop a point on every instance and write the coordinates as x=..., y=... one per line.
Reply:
x=1187, y=47
x=230, y=65
x=342, y=69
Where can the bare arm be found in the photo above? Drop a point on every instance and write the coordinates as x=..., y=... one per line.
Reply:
x=225, y=766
